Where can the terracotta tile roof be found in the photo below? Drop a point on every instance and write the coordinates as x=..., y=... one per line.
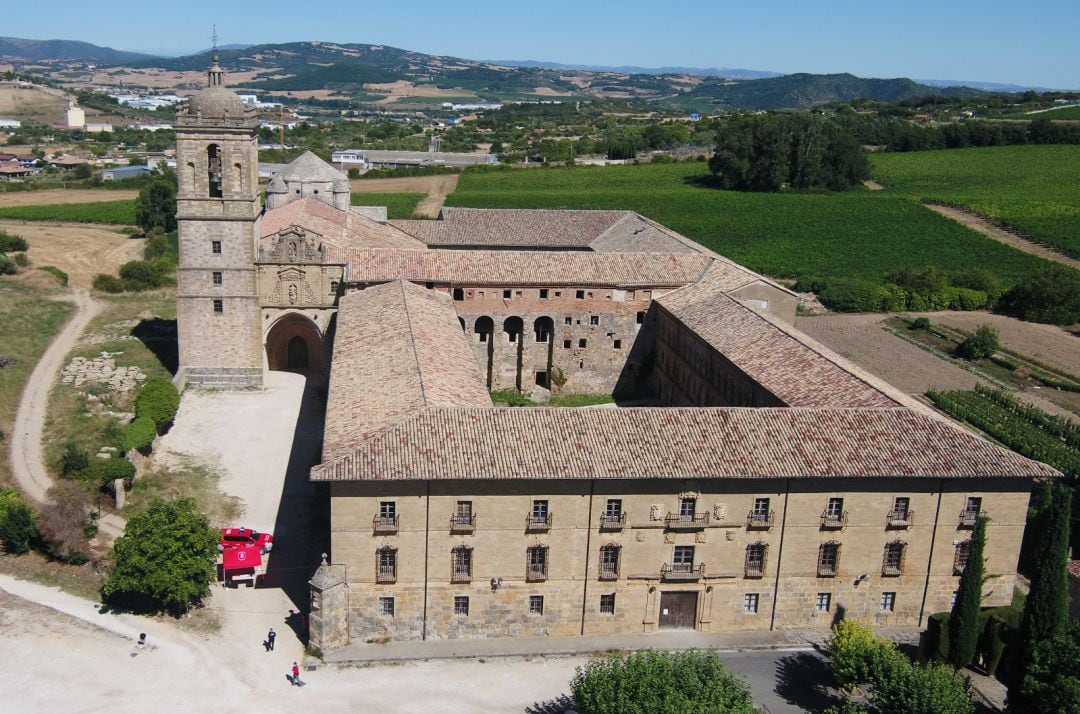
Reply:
x=398, y=348
x=345, y=229
x=512, y=228
x=634, y=233
x=535, y=443
x=1074, y=568
x=798, y=371
x=499, y=267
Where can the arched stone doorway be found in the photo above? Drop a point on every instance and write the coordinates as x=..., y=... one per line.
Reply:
x=295, y=343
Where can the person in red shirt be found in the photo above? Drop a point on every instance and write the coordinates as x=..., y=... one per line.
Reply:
x=296, y=675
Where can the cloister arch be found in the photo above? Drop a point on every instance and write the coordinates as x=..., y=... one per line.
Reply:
x=295, y=343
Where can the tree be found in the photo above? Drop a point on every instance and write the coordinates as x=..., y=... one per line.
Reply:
x=64, y=521
x=1051, y=294
x=964, y=621
x=849, y=652
x=18, y=526
x=156, y=205
x=1053, y=676
x=651, y=682
x=1046, y=610
x=158, y=401
x=981, y=344
x=164, y=561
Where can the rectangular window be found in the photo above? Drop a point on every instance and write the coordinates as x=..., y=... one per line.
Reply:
x=463, y=514
x=828, y=559
x=888, y=602
x=594, y=319
x=536, y=604
x=507, y=294
x=459, y=294
x=219, y=306
x=543, y=294
x=835, y=508
x=687, y=507
x=754, y=566
x=386, y=606
x=618, y=344
x=580, y=295
x=974, y=505
x=539, y=515
x=641, y=317
x=582, y=342
x=387, y=510
x=750, y=603
x=217, y=277
x=609, y=562
x=215, y=247
x=607, y=604
x=823, y=602
x=567, y=344
x=462, y=562
x=461, y=604
x=613, y=509
x=901, y=506
x=568, y=320
x=536, y=563
x=386, y=565
x=892, y=562
x=683, y=555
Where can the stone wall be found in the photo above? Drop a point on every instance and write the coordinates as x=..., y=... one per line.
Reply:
x=572, y=590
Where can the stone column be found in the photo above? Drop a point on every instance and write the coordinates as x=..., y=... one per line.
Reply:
x=328, y=623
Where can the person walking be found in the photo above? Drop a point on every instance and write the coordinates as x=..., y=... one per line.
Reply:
x=296, y=675
x=270, y=636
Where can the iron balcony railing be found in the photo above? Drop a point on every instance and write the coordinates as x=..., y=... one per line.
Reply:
x=385, y=524
x=386, y=573
x=609, y=571
x=538, y=521
x=682, y=571
x=968, y=519
x=463, y=522
x=759, y=519
x=613, y=521
x=536, y=571
x=686, y=521
x=899, y=519
x=833, y=520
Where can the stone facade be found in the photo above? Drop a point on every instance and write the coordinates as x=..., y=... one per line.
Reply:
x=499, y=591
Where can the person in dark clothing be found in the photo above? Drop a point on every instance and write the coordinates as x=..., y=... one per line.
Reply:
x=270, y=636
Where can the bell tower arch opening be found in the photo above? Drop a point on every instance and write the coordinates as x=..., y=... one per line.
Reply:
x=294, y=343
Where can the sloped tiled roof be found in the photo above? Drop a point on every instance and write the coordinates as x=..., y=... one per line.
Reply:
x=789, y=365
x=345, y=229
x=635, y=233
x=513, y=228
x=398, y=348
x=499, y=267
x=540, y=443
x=309, y=167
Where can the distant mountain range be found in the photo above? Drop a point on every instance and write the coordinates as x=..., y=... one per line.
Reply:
x=53, y=50
x=349, y=69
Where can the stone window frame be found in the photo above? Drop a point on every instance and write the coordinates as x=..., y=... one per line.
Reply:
x=751, y=603
x=823, y=602
x=756, y=559
x=536, y=605
x=461, y=564
x=828, y=562
x=461, y=605
x=607, y=603
x=217, y=278
x=887, y=602
x=893, y=557
x=537, y=563
x=215, y=247
x=386, y=606
x=219, y=306
x=386, y=564
x=610, y=560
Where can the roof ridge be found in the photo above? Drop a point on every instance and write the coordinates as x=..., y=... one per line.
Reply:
x=624, y=217
x=412, y=340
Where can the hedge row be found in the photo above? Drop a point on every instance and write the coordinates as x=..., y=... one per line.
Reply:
x=155, y=408
x=858, y=295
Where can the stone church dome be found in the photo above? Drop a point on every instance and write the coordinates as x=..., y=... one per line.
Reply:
x=308, y=167
x=216, y=102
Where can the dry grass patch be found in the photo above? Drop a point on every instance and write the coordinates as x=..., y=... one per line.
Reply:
x=186, y=479
x=82, y=580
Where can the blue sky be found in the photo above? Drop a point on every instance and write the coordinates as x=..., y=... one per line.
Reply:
x=1032, y=43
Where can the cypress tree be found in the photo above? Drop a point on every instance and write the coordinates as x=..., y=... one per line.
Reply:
x=964, y=620
x=1046, y=611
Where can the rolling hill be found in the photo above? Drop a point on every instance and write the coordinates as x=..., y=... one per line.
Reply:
x=52, y=50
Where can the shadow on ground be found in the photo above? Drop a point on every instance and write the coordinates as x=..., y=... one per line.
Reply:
x=159, y=336
x=558, y=705
x=302, y=525
x=802, y=680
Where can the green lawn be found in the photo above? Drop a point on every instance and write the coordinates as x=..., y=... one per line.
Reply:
x=1033, y=189
x=855, y=234
x=398, y=205
x=112, y=212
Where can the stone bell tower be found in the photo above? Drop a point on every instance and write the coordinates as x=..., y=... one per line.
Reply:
x=218, y=215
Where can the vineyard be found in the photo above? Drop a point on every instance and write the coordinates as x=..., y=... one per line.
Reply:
x=1024, y=429
x=859, y=234
x=398, y=205
x=111, y=212
x=1034, y=190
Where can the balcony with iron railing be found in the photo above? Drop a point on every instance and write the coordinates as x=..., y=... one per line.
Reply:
x=613, y=521
x=899, y=519
x=968, y=519
x=386, y=573
x=460, y=575
x=759, y=520
x=686, y=521
x=832, y=520
x=538, y=522
x=463, y=523
x=385, y=524
x=682, y=571
x=826, y=569
x=754, y=570
x=536, y=571
x=609, y=571
x=892, y=570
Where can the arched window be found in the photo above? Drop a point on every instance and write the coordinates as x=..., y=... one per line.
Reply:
x=238, y=177
x=484, y=327
x=543, y=328
x=461, y=562
x=213, y=170
x=513, y=327
x=754, y=566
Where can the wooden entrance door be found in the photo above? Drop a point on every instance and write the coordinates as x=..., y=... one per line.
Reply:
x=678, y=610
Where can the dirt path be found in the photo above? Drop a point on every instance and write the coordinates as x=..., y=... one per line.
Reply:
x=437, y=189
x=988, y=229
x=81, y=250
x=65, y=195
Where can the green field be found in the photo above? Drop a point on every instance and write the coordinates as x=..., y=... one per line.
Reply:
x=112, y=212
x=398, y=205
x=857, y=234
x=1071, y=113
x=1032, y=189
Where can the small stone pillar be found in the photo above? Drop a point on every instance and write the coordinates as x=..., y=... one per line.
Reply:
x=118, y=492
x=328, y=623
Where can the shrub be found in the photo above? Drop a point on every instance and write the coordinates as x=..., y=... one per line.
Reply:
x=1050, y=294
x=979, y=279
x=158, y=401
x=164, y=560
x=141, y=275
x=108, y=283
x=852, y=295
x=74, y=460
x=7, y=265
x=9, y=243
x=63, y=522
x=105, y=471
x=925, y=281
x=981, y=344
x=21, y=260
x=966, y=298
x=920, y=323
x=18, y=526
x=649, y=681
x=139, y=434
x=53, y=270
x=849, y=649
